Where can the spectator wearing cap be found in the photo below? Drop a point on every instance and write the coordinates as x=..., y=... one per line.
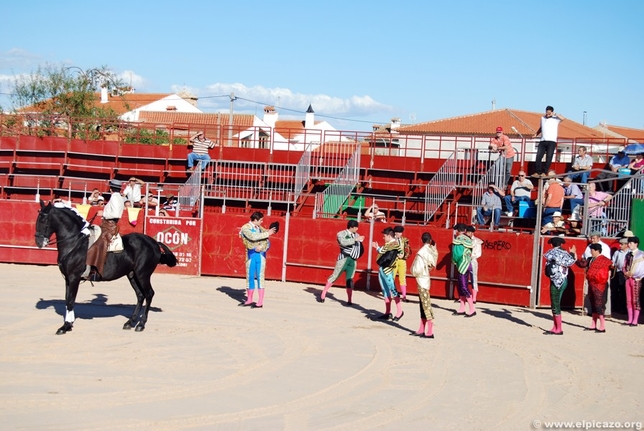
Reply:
x=573, y=195
x=582, y=165
x=200, y=147
x=548, y=129
x=97, y=253
x=501, y=143
x=559, y=261
x=490, y=205
x=573, y=225
x=556, y=226
x=618, y=282
x=596, y=238
x=617, y=162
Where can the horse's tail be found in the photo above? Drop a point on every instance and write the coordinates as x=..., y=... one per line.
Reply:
x=167, y=256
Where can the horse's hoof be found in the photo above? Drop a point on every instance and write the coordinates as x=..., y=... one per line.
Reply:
x=64, y=329
x=127, y=326
x=139, y=328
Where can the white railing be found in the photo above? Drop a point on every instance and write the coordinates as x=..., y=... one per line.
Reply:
x=336, y=194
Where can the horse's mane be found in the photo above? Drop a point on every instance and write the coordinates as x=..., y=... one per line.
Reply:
x=74, y=214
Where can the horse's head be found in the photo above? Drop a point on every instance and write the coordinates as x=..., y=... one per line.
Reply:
x=43, y=225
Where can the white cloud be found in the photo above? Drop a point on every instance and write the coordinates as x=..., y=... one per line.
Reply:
x=18, y=59
x=215, y=97
x=130, y=78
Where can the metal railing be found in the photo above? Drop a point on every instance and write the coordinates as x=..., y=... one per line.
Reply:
x=615, y=217
x=251, y=180
x=330, y=201
x=190, y=191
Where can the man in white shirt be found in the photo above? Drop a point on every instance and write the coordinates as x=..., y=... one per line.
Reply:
x=132, y=191
x=97, y=253
x=582, y=165
x=548, y=130
x=595, y=238
x=520, y=191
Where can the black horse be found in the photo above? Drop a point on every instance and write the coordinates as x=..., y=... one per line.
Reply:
x=140, y=256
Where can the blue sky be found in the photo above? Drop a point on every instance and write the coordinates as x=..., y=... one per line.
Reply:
x=357, y=63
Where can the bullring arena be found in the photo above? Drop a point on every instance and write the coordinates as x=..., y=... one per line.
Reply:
x=203, y=363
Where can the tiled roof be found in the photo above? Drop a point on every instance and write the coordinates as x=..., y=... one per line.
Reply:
x=485, y=123
x=626, y=132
x=171, y=117
x=289, y=128
x=120, y=104
x=127, y=102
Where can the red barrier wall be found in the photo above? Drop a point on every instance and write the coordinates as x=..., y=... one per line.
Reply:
x=312, y=252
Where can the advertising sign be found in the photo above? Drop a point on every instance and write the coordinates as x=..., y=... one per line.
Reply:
x=183, y=237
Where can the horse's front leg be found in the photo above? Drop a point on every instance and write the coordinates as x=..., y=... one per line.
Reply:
x=71, y=290
x=139, y=302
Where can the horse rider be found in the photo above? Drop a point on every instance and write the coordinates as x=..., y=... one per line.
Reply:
x=97, y=253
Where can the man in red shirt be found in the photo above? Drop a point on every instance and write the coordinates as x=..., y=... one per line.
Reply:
x=502, y=144
x=553, y=200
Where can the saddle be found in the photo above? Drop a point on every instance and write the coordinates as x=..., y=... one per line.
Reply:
x=115, y=246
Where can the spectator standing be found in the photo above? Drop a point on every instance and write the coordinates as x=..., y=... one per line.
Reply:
x=582, y=165
x=595, y=238
x=552, y=200
x=501, y=143
x=519, y=192
x=200, y=147
x=573, y=195
x=548, y=129
x=490, y=205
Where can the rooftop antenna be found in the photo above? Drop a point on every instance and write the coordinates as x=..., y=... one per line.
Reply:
x=412, y=117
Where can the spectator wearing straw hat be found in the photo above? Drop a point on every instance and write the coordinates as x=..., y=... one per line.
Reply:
x=573, y=225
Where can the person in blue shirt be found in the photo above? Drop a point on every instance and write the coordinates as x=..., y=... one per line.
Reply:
x=617, y=162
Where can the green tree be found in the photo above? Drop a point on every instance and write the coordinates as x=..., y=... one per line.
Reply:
x=58, y=98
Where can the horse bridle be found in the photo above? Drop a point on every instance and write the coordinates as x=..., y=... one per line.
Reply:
x=45, y=238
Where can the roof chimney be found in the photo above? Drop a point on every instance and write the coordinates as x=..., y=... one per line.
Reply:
x=395, y=123
x=104, y=96
x=270, y=116
x=309, y=121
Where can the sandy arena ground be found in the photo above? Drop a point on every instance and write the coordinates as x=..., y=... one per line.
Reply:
x=203, y=363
